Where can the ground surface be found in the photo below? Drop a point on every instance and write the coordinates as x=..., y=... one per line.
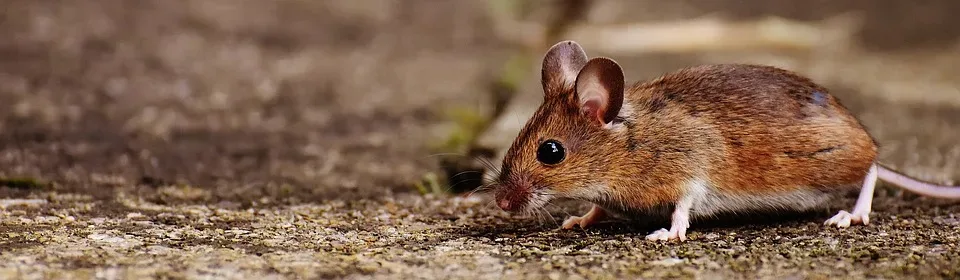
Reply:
x=278, y=139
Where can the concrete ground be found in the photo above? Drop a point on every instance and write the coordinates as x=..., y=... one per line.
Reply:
x=280, y=139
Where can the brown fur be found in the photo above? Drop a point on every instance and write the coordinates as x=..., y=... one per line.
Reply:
x=747, y=129
x=774, y=135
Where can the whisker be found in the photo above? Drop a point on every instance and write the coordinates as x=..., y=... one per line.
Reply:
x=543, y=217
x=481, y=188
x=489, y=177
x=489, y=187
x=465, y=172
x=517, y=119
x=553, y=220
x=492, y=171
x=491, y=204
x=486, y=162
x=537, y=217
x=489, y=164
x=451, y=187
x=531, y=214
x=444, y=154
x=484, y=177
x=561, y=208
x=483, y=161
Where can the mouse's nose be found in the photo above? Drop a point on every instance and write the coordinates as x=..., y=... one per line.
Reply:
x=512, y=198
x=506, y=205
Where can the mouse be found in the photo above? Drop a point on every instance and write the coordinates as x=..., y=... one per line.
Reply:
x=690, y=144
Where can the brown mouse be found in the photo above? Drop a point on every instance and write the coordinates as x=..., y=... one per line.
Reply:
x=693, y=143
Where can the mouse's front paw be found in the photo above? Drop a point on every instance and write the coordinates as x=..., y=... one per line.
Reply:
x=844, y=219
x=595, y=215
x=663, y=234
x=574, y=221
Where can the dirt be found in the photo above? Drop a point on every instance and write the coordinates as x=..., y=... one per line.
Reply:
x=281, y=139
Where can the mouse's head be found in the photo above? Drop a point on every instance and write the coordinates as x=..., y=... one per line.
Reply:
x=573, y=139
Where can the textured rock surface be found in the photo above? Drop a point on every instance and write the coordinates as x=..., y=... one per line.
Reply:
x=277, y=139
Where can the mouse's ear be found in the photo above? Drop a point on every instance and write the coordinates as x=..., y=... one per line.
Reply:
x=561, y=64
x=600, y=89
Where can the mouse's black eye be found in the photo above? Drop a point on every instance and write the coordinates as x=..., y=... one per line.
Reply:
x=550, y=152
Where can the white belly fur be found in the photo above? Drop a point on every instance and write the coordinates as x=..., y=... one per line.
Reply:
x=708, y=201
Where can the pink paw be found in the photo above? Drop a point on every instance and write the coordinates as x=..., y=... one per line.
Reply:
x=844, y=219
x=675, y=233
x=574, y=221
x=595, y=215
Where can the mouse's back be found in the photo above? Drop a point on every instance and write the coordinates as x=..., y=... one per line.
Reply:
x=779, y=129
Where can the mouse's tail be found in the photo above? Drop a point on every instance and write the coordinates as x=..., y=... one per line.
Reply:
x=917, y=186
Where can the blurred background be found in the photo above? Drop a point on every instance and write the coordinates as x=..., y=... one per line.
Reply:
x=260, y=102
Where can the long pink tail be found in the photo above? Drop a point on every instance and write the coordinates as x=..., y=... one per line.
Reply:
x=917, y=186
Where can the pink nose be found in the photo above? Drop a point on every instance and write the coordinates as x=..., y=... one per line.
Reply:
x=505, y=204
x=512, y=198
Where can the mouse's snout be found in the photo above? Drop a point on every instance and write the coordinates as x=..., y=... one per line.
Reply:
x=512, y=198
x=507, y=205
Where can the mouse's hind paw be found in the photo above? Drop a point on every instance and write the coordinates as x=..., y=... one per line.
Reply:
x=861, y=211
x=844, y=219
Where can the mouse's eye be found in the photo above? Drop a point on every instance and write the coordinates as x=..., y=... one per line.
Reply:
x=550, y=152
